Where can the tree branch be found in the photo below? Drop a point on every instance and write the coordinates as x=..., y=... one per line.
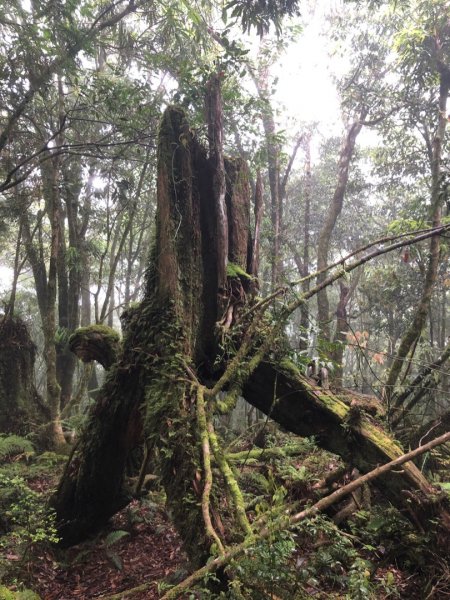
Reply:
x=69, y=53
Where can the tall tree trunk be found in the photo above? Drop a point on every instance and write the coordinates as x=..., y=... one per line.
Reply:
x=49, y=319
x=273, y=164
x=215, y=138
x=342, y=328
x=18, y=264
x=85, y=263
x=258, y=212
x=334, y=210
x=69, y=276
x=304, y=310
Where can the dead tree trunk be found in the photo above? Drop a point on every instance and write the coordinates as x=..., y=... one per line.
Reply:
x=175, y=355
x=174, y=332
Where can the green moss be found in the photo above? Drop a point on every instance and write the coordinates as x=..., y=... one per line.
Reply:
x=96, y=342
x=7, y=594
x=170, y=425
x=234, y=270
x=103, y=330
x=383, y=441
x=329, y=400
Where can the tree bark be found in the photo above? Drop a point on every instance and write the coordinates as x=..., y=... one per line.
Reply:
x=49, y=319
x=215, y=137
x=273, y=167
x=21, y=408
x=342, y=328
x=304, y=310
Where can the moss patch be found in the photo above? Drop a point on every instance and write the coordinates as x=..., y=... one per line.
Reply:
x=96, y=342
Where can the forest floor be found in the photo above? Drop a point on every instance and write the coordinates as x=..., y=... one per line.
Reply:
x=140, y=546
x=150, y=552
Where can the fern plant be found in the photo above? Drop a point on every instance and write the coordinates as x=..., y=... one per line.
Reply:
x=112, y=538
x=14, y=445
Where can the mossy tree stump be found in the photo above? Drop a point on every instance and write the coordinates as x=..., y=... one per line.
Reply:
x=21, y=408
x=172, y=360
x=96, y=342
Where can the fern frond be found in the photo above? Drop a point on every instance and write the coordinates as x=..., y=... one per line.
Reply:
x=114, y=537
x=12, y=445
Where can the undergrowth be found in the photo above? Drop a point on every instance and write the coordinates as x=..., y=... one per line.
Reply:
x=372, y=555
x=27, y=525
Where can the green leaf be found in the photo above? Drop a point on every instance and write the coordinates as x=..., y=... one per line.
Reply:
x=114, y=537
x=116, y=560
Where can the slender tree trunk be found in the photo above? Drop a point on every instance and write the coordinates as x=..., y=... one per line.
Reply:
x=69, y=276
x=342, y=328
x=85, y=263
x=215, y=137
x=273, y=164
x=9, y=310
x=304, y=309
x=334, y=210
x=419, y=387
x=49, y=319
x=258, y=212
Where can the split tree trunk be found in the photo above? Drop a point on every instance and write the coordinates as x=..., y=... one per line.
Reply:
x=171, y=346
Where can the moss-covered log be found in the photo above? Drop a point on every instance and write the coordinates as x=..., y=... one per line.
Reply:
x=293, y=401
x=173, y=355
